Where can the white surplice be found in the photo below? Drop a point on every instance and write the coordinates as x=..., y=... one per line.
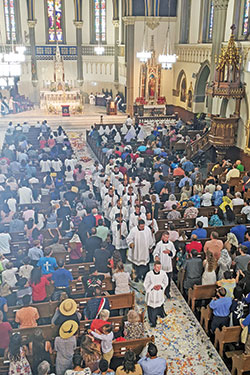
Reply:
x=143, y=242
x=118, y=242
x=155, y=298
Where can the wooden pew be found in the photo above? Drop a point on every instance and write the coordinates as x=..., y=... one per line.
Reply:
x=226, y=335
x=47, y=309
x=4, y=366
x=206, y=315
x=120, y=347
x=80, y=269
x=200, y=292
x=77, y=287
x=241, y=364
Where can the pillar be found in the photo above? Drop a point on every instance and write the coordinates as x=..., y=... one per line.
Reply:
x=79, y=25
x=116, y=56
x=31, y=24
x=130, y=54
x=219, y=25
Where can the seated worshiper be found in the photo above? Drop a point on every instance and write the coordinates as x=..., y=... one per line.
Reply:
x=174, y=214
x=27, y=316
x=151, y=364
x=191, y=212
x=206, y=198
x=214, y=245
x=237, y=201
x=96, y=304
x=242, y=260
x=194, y=244
x=133, y=328
x=193, y=268
x=200, y=231
x=220, y=305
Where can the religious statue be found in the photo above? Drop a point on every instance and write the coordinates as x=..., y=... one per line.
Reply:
x=151, y=86
x=59, y=70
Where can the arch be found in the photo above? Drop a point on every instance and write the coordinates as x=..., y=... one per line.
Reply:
x=183, y=94
x=176, y=91
x=201, y=82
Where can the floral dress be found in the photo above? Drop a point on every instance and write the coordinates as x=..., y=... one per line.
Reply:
x=21, y=366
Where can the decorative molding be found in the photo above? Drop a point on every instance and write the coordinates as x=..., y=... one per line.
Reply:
x=220, y=4
x=152, y=22
x=149, y=20
x=193, y=53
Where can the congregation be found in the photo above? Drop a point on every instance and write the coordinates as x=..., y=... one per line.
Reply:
x=75, y=243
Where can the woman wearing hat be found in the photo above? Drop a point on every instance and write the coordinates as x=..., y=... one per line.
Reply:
x=65, y=344
x=66, y=311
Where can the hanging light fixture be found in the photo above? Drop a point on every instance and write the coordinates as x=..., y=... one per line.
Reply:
x=10, y=64
x=167, y=59
x=144, y=55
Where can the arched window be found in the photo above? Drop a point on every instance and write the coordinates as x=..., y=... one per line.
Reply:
x=207, y=21
x=55, y=21
x=10, y=20
x=245, y=25
x=99, y=21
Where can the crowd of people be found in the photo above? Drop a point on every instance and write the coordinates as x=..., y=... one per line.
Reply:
x=111, y=218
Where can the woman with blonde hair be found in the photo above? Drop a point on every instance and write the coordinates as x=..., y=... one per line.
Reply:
x=134, y=329
x=210, y=265
x=121, y=279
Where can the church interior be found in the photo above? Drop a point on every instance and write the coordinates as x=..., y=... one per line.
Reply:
x=124, y=187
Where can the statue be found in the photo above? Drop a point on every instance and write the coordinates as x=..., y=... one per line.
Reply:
x=151, y=86
x=59, y=71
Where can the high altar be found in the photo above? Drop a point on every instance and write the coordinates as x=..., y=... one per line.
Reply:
x=150, y=98
x=59, y=93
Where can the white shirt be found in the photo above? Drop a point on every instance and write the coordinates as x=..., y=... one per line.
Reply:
x=143, y=242
x=237, y=201
x=5, y=243
x=45, y=166
x=25, y=195
x=9, y=276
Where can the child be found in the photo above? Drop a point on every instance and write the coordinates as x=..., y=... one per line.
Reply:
x=121, y=279
x=106, y=337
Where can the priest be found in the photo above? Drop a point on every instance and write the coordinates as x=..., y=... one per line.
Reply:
x=140, y=242
x=155, y=284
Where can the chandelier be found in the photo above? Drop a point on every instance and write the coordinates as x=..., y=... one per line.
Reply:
x=10, y=65
x=144, y=55
x=167, y=59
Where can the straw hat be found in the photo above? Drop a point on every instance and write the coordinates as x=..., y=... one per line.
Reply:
x=68, y=307
x=74, y=189
x=68, y=329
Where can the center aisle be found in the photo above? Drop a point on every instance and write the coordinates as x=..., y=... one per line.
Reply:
x=179, y=337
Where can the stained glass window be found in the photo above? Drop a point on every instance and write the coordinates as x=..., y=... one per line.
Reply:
x=10, y=21
x=100, y=20
x=246, y=17
x=55, y=29
x=211, y=21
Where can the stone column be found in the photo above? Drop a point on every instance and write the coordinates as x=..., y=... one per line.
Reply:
x=219, y=24
x=116, y=60
x=130, y=48
x=34, y=76
x=79, y=25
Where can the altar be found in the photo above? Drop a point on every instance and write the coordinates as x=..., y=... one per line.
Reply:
x=52, y=101
x=58, y=93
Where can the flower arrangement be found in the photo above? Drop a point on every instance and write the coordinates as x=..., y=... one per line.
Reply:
x=161, y=100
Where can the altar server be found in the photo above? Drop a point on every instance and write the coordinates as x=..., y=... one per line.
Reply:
x=164, y=252
x=140, y=241
x=119, y=233
x=109, y=202
x=135, y=217
x=92, y=99
x=155, y=284
x=119, y=207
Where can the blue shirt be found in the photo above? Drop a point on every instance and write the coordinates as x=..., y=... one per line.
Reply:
x=247, y=244
x=155, y=366
x=221, y=306
x=62, y=277
x=239, y=232
x=142, y=148
x=196, y=200
x=188, y=166
x=159, y=185
x=200, y=233
x=217, y=197
x=47, y=264
x=246, y=322
x=183, y=180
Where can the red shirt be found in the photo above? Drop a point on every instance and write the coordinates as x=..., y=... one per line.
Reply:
x=123, y=170
x=98, y=324
x=5, y=328
x=39, y=290
x=194, y=245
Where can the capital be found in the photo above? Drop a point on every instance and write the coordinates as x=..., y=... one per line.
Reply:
x=32, y=23
x=220, y=4
x=78, y=24
x=129, y=20
x=116, y=23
